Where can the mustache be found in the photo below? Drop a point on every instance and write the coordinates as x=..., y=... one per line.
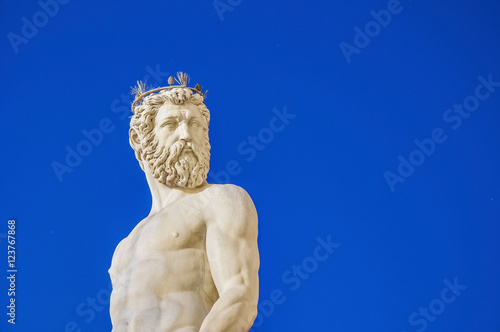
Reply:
x=180, y=146
x=171, y=155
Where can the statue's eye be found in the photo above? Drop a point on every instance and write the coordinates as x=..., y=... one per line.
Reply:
x=170, y=124
x=195, y=123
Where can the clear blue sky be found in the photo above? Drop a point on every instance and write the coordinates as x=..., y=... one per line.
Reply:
x=372, y=125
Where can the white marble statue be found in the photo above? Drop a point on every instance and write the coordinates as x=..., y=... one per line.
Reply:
x=192, y=264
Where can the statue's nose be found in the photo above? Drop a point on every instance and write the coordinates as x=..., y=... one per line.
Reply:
x=184, y=135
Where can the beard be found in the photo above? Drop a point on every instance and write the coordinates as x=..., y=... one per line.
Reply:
x=176, y=166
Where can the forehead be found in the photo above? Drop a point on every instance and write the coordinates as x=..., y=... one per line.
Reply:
x=182, y=112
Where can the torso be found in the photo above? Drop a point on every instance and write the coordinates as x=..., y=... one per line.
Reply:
x=161, y=276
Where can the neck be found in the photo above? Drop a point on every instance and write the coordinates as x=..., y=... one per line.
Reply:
x=164, y=195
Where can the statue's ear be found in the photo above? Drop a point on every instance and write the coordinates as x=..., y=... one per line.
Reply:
x=135, y=141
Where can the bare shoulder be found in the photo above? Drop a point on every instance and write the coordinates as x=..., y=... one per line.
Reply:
x=228, y=192
x=232, y=208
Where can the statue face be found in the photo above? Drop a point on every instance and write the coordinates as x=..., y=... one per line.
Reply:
x=182, y=152
x=179, y=122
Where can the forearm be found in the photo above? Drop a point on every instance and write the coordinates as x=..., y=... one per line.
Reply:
x=234, y=311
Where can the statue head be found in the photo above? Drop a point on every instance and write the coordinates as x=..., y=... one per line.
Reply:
x=169, y=134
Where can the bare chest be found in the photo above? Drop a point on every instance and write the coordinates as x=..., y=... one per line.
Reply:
x=170, y=231
x=176, y=231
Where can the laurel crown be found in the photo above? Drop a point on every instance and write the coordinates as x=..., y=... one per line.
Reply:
x=182, y=80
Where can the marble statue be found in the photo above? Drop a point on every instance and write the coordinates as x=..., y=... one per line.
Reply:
x=192, y=264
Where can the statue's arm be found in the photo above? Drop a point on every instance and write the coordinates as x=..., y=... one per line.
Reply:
x=234, y=262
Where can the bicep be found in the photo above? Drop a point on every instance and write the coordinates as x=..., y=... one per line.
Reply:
x=232, y=245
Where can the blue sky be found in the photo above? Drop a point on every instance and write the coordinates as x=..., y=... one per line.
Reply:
x=366, y=133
